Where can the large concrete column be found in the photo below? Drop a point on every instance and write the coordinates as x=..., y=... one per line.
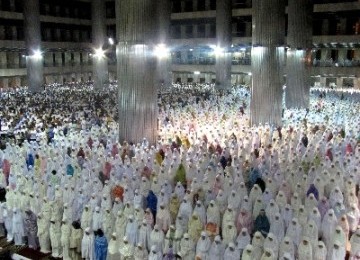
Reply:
x=299, y=58
x=34, y=63
x=99, y=38
x=267, y=61
x=223, y=35
x=163, y=66
x=136, y=66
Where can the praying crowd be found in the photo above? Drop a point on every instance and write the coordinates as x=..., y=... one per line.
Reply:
x=211, y=188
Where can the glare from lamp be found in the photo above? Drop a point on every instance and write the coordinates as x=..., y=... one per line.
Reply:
x=217, y=50
x=37, y=55
x=99, y=53
x=111, y=41
x=250, y=74
x=161, y=51
x=197, y=72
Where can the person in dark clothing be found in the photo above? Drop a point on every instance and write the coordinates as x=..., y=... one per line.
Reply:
x=262, y=223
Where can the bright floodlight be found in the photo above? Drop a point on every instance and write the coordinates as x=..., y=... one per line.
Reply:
x=37, y=55
x=111, y=41
x=249, y=73
x=161, y=51
x=217, y=50
x=197, y=72
x=99, y=53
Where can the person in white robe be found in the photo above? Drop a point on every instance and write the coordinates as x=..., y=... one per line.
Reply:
x=272, y=243
x=117, y=206
x=213, y=215
x=187, y=247
x=217, y=249
x=143, y=237
x=163, y=219
x=229, y=233
x=75, y=241
x=126, y=249
x=87, y=245
x=140, y=252
x=97, y=219
x=157, y=238
x=86, y=217
x=113, y=248
x=320, y=252
x=120, y=224
x=257, y=245
x=268, y=255
x=203, y=246
x=294, y=232
x=328, y=226
x=243, y=240
x=305, y=251
x=155, y=253
x=248, y=253
x=43, y=234
x=287, y=247
x=55, y=235
x=108, y=223
x=65, y=239
x=7, y=217
x=231, y=253
x=336, y=252
x=18, y=227
x=131, y=230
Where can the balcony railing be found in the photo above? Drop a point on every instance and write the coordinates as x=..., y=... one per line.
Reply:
x=336, y=63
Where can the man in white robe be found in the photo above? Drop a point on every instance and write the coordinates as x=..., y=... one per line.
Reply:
x=43, y=234
x=131, y=230
x=113, y=248
x=65, y=239
x=97, y=219
x=87, y=245
x=126, y=249
x=55, y=235
x=143, y=237
x=18, y=227
x=86, y=217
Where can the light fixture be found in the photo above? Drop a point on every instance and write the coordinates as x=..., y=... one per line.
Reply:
x=243, y=49
x=161, y=51
x=197, y=72
x=191, y=50
x=99, y=53
x=250, y=73
x=217, y=50
x=37, y=54
x=111, y=41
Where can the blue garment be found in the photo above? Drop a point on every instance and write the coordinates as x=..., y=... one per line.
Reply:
x=69, y=170
x=254, y=175
x=314, y=191
x=30, y=161
x=101, y=246
x=262, y=225
x=223, y=162
x=151, y=201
